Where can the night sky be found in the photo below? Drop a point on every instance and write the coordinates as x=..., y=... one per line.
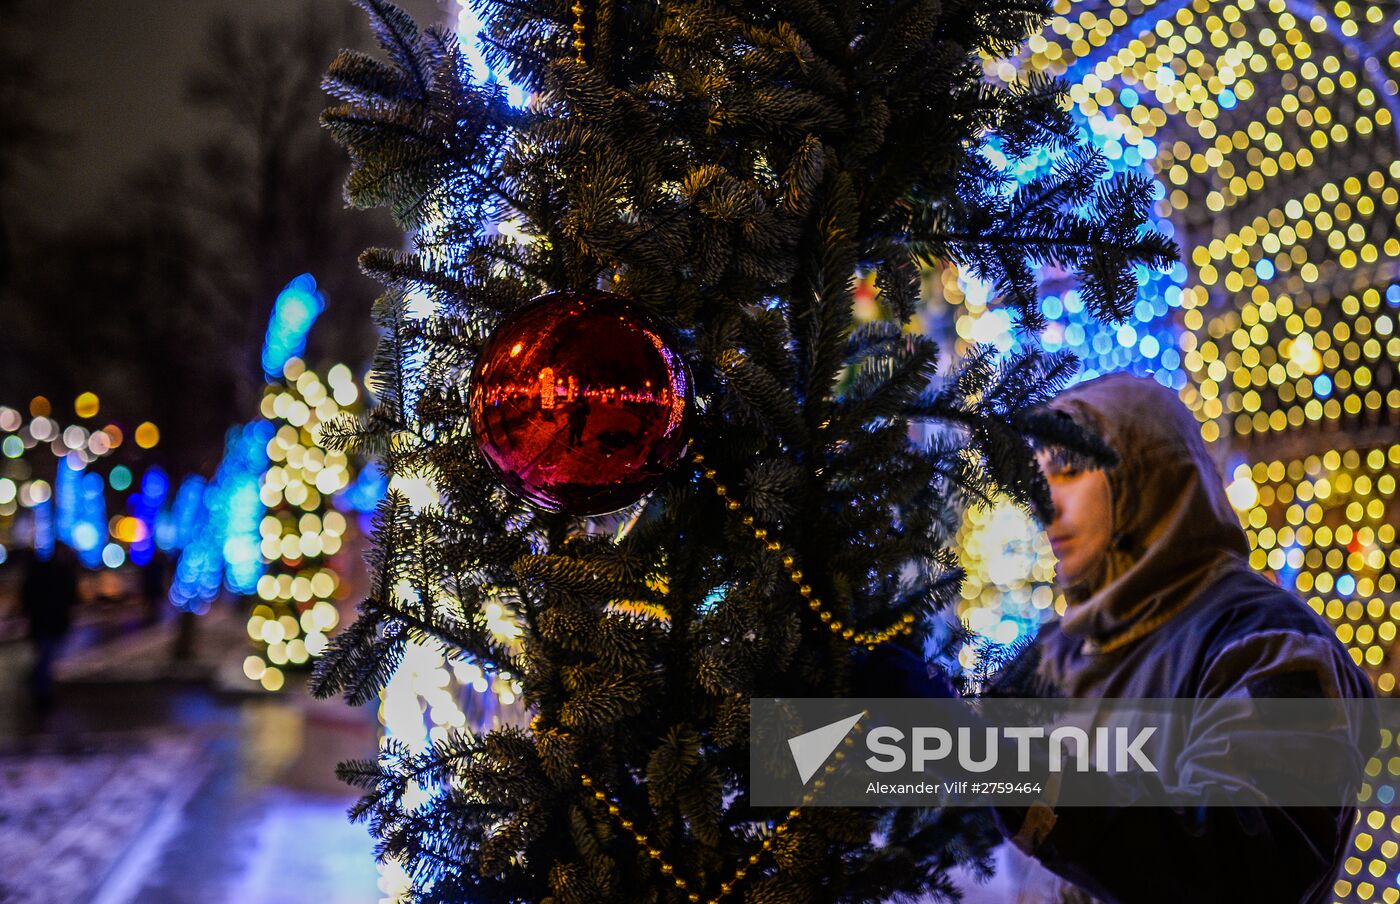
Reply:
x=85, y=317
x=120, y=68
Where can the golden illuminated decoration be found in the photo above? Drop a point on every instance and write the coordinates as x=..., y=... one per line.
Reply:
x=301, y=531
x=1268, y=129
x=147, y=435
x=1283, y=363
x=1326, y=524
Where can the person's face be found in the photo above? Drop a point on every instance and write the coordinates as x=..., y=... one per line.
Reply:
x=1083, y=527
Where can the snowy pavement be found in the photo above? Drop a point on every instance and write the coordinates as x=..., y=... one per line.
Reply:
x=161, y=786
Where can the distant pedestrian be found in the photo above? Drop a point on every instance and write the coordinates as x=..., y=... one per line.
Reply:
x=578, y=418
x=155, y=584
x=47, y=597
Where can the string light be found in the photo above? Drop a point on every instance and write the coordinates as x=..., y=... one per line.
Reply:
x=1325, y=525
x=71, y=487
x=300, y=529
x=1268, y=130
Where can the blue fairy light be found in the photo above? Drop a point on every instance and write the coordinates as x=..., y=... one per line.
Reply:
x=296, y=309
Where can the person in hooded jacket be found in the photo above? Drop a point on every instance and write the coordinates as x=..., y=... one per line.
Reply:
x=1161, y=602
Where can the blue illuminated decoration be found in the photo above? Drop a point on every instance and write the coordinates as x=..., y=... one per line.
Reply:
x=225, y=549
x=714, y=598
x=67, y=498
x=146, y=506
x=81, y=507
x=1288, y=574
x=1148, y=343
x=43, y=530
x=297, y=307
x=365, y=492
x=154, y=485
x=177, y=529
x=91, y=529
x=245, y=511
x=469, y=28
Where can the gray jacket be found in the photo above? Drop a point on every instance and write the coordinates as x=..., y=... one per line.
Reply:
x=1240, y=636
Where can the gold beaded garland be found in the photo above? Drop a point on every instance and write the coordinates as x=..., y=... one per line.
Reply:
x=903, y=626
x=668, y=869
x=866, y=639
x=579, y=44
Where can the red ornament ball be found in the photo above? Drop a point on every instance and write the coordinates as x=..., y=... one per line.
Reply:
x=579, y=404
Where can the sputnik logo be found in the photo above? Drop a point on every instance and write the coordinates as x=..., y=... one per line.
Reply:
x=811, y=750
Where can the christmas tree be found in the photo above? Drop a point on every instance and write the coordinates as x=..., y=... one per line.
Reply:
x=729, y=167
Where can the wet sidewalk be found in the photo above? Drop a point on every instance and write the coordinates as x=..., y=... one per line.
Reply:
x=164, y=785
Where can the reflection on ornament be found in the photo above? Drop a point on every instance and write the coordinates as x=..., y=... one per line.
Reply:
x=578, y=403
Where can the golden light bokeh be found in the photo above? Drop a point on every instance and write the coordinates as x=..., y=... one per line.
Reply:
x=86, y=405
x=1268, y=128
x=147, y=435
